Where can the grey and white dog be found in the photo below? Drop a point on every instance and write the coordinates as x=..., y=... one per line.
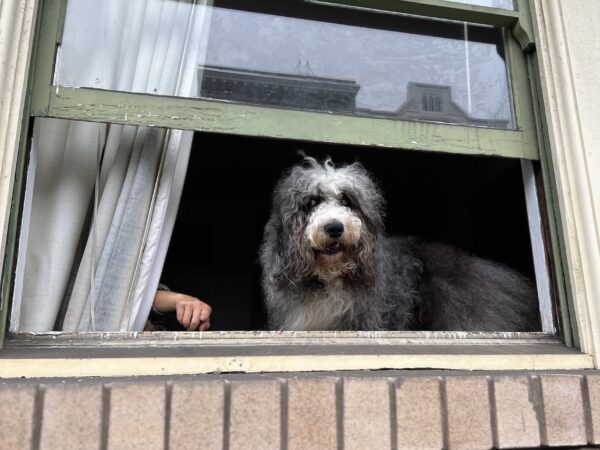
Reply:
x=328, y=265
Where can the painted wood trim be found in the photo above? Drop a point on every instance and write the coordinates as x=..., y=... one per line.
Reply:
x=49, y=35
x=522, y=29
x=120, y=367
x=17, y=24
x=227, y=117
x=231, y=118
x=519, y=21
x=572, y=162
x=76, y=355
x=162, y=339
x=538, y=249
x=437, y=9
x=565, y=322
x=520, y=91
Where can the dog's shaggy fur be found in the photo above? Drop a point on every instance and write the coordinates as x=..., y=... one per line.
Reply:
x=328, y=265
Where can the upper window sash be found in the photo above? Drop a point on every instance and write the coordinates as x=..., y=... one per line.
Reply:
x=91, y=104
x=518, y=20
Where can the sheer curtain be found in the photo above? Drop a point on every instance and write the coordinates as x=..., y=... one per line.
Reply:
x=103, y=198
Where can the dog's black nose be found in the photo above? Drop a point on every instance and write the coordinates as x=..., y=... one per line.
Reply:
x=334, y=229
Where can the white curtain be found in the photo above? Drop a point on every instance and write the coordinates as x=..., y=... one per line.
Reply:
x=107, y=276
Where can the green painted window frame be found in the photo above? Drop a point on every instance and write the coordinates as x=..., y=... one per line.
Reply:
x=223, y=117
x=526, y=141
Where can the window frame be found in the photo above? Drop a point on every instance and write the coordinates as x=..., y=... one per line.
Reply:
x=107, y=106
x=143, y=109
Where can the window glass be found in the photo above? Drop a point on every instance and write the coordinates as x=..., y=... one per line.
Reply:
x=295, y=56
x=504, y=4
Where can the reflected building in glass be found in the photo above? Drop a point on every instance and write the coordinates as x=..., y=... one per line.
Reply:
x=425, y=102
x=433, y=103
x=278, y=89
x=301, y=57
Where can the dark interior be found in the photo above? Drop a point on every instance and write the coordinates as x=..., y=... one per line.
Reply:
x=476, y=203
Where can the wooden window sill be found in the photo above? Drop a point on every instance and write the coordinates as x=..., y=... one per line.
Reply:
x=140, y=354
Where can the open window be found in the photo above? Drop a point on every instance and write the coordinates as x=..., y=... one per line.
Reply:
x=471, y=202
x=432, y=97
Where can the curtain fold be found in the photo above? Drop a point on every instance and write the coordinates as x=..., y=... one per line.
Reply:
x=118, y=232
x=132, y=176
x=167, y=199
x=66, y=154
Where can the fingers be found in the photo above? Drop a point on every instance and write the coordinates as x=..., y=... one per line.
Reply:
x=179, y=310
x=196, y=314
x=200, y=316
x=193, y=313
x=188, y=310
x=205, y=311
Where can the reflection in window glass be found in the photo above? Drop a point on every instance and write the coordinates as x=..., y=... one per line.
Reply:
x=504, y=4
x=292, y=55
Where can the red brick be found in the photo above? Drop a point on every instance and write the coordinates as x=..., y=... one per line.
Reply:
x=419, y=413
x=197, y=410
x=72, y=416
x=469, y=419
x=366, y=413
x=517, y=421
x=312, y=422
x=563, y=410
x=255, y=421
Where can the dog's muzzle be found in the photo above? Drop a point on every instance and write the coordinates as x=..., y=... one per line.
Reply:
x=334, y=232
x=334, y=229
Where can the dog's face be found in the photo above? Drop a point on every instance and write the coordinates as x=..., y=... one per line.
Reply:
x=333, y=227
x=330, y=218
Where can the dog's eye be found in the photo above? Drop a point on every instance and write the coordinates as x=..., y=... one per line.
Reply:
x=345, y=201
x=312, y=202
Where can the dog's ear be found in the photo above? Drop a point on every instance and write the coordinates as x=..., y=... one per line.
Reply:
x=368, y=193
x=270, y=249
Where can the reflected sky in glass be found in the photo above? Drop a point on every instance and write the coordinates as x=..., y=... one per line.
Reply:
x=503, y=4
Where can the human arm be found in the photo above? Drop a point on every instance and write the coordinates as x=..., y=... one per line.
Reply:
x=191, y=312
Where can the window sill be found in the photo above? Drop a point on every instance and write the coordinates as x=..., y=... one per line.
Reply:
x=138, y=354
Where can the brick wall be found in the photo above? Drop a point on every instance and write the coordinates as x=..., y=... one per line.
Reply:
x=319, y=411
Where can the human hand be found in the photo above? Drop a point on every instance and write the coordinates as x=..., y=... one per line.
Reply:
x=191, y=312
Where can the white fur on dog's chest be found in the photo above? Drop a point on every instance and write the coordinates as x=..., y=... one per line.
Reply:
x=321, y=309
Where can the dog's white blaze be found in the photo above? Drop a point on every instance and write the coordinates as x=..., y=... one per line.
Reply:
x=322, y=311
x=329, y=267
x=324, y=214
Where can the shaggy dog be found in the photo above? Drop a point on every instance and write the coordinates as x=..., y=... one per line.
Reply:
x=328, y=265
